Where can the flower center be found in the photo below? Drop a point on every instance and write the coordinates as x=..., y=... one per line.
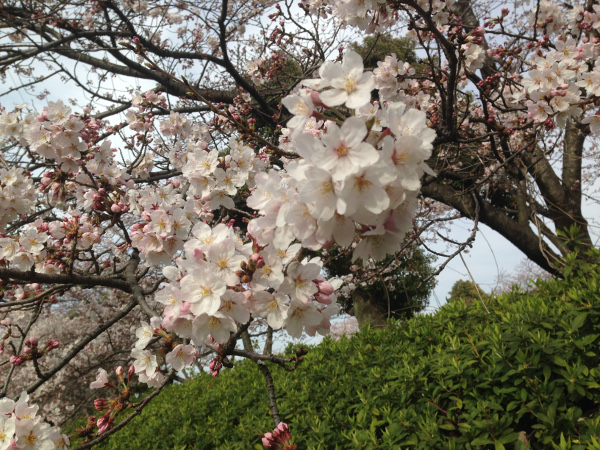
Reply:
x=350, y=82
x=326, y=189
x=31, y=438
x=342, y=150
x=361, y=184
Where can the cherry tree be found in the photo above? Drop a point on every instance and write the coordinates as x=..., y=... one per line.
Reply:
x=216, y=152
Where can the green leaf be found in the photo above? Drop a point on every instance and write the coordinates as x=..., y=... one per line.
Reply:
x=567, y=271
x=559, y=361
x=578, y=321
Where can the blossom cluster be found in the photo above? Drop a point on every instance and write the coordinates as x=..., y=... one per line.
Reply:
x=352, y=181
x=559, y=82
x=55, y=135
x=22, y=428
x=167, y=215
x=220, y=282
x=279, y=439
x=31, y=248
x=17, y=195
x=353, y=184
x=373, y=15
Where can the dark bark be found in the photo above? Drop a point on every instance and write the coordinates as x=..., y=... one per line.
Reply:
x=521, y=235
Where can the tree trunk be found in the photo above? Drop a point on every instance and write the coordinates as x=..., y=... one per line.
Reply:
x=370, y=310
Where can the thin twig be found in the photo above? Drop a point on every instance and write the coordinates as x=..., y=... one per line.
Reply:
x=137, y=412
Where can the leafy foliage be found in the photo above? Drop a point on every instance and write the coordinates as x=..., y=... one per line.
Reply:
x=376, y=48
x=526, y=374
x=468, y=291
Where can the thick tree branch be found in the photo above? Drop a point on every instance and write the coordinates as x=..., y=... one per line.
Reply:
x=42, y=278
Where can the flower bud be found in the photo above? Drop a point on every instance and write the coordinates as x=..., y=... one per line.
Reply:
x=322, y=298
x=52, y=344
x=185, y=308
x=16, y=360
x=100, y=404
x=325, y=287
x=104, y=423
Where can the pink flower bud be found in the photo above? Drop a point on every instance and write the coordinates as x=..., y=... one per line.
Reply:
x=31, y=342
x=130, y=372
x=119, y=371
x=184, y=309
x=314, y=96
x=176, y=183
x=479, y=31
x=266, y=442
x=100, y=404
x=52, y=344
x=322, y=298
x=115, y=208
x=104, y=423
x=325, y=287
x=16, y=360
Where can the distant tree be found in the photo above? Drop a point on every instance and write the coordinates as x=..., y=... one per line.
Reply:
x=521, y=277
x=467, y=290
x=375, y=48
x=393, y=288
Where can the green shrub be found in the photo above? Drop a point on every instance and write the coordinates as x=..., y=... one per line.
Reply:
x=526, y=374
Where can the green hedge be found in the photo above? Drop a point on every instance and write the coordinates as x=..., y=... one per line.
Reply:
x=526, y=374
